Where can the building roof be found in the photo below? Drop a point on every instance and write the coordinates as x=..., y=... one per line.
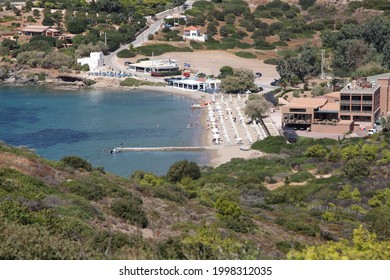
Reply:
x=330, y=107
x=307, y=102
x=344, y=122
x=53, y=30
x=359, y=90
x=333, y=94
x=191, y=28
x=156, y=63
x=35, y=28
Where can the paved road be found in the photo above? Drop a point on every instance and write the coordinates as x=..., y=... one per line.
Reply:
x=111, y=59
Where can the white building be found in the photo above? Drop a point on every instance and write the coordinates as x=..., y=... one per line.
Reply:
x=94, y=61
x=193, y=33
x=199, y=84
x=155, y=66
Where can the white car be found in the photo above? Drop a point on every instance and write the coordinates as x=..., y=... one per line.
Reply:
x=372, y=131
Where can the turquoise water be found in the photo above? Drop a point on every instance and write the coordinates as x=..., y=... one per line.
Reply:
x=88, y=123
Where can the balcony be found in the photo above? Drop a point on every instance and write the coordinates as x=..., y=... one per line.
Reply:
x=325, y=122
x=297, y=121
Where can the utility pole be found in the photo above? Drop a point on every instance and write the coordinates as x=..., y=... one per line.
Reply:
x=105, y=37
x=323, y=74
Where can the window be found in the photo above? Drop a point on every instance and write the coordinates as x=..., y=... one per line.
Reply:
x=345, y=117
x=355, y=108
x=297, y=110
x=362, y=118
x=367, y=108
x=345, y=97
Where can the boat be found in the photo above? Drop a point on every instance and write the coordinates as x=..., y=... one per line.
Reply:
x=244, y=148
x=199, y=106
x=196, y=106
x=115, y=150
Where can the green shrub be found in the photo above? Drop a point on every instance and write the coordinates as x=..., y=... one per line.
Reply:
x=245, y=54
x=300, y=176
x=130, y=208
x=159, y=49
x=76, y=162
x=300, y=226
x=286, y=246
x=86, y=189
x=131, y=82
x=316, y=151
x=126, y=53
x=271, y=144
x=89, y=82
x=181, y=169
x=280, y=44
x=329, y=216
x=196, y=45
x=357, y=167
x=272, y=61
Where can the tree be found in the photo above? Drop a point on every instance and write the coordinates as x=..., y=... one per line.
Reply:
x=375, y=31
x=241, y=81
x=76, y=25
x=363, y=246
x=182, y=169
x=307, y=64
x=230, y=19
x=225, y=71
x=317, y=151
x=224, y=31
x=7, y=5
x=108, y=6
x=350, y=54
x=379, y=222
x=320, y=90
x=36, y=13
x=28, y=6
x=256, y=106
x=47, y=21
x=357, y=167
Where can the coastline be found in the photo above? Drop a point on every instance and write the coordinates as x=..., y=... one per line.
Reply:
x=217, y=155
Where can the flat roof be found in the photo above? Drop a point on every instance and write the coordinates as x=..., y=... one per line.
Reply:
x=359, y=90
x=333, y=94
x=330, y=108
x=35, y=28
x=344, y=122
x=307, y=102
x=156, y=63
x=188, y=82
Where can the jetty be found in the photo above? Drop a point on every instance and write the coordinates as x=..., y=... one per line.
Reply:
x=159, y=149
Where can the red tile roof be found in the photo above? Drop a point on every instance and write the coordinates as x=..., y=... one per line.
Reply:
x=191, y=28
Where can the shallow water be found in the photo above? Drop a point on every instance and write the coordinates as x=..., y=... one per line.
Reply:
x=89, y=123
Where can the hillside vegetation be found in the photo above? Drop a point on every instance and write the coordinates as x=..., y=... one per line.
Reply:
x=302, y=195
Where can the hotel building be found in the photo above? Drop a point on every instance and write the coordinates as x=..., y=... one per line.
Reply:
x=357, y=106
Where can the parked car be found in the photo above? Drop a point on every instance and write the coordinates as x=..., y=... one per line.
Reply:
x=258, y=74
x=275, y=83
x=372, y=131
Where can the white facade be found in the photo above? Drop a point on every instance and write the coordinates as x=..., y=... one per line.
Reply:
x=195, y=85
x=148, y=66
x=94, y=61
x=193, y=33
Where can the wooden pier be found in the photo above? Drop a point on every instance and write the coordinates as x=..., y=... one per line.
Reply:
x=159, y=149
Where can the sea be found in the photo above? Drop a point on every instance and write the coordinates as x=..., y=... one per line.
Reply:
x=89, y=123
